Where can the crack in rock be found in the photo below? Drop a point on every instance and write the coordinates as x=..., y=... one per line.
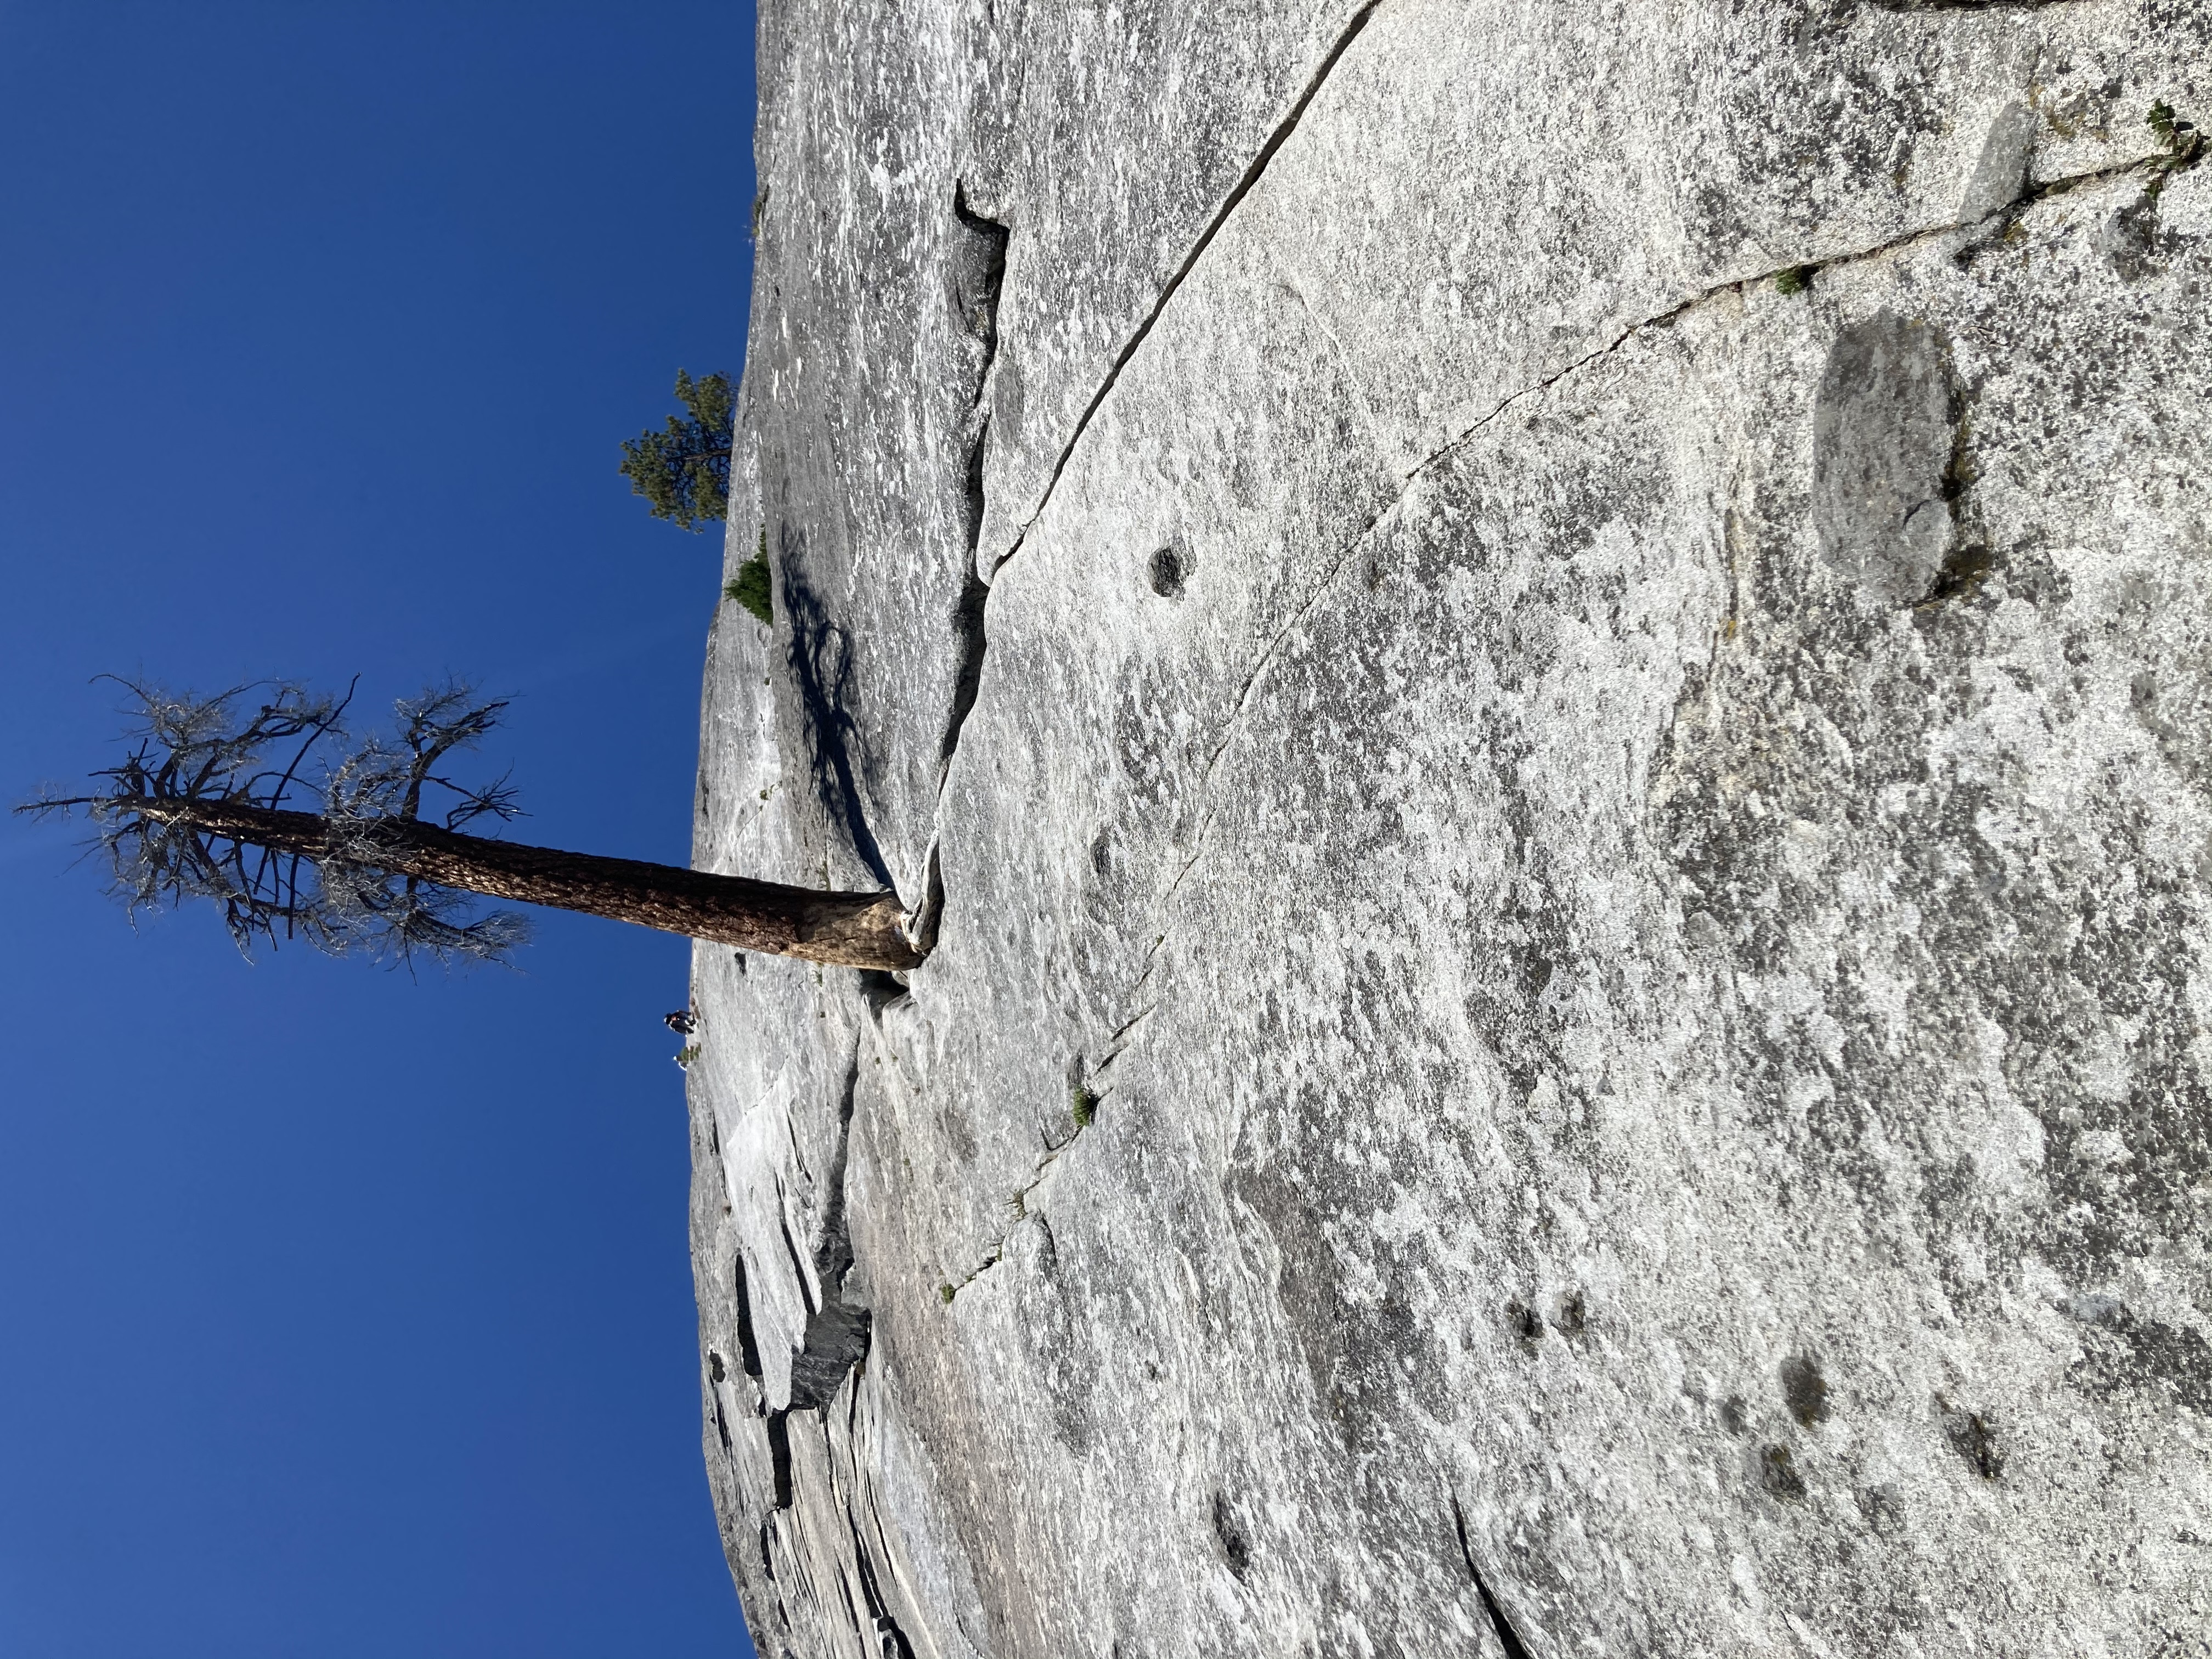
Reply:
x=1509, y=1639
x=970, y=617
x=837, y=1330
x=1992, y=226
x=1019, y=1202
x=1243, y=186
x=890, y=1640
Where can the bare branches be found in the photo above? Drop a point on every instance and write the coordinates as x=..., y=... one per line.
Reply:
x=191, y=752
x=384, y=778
x=202, y=806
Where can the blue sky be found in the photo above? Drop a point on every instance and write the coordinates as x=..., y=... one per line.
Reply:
x=344, y=1313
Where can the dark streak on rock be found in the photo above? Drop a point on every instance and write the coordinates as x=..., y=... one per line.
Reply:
x=1778, y=1473
x=838, y=1331
x=1235, y=1548
x=889, y=1638
x=748, y=1348
x=779, y=1456
x=1804, y=1389
x=821, y=667
x=1974, y=1437
x=1509, y=1639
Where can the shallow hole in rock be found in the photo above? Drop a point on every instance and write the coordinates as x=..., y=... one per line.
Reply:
x=1168, y=570
x=1235, y=1549
x=1777, y=1472
x=1804, y=1390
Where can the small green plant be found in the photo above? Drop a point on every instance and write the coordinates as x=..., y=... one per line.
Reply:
x=751, y=587
x=1796, y=280
x=944, y=1294
x=1083, y=1104
x=684, y=472
x=2184, y=144
x=686, y=1055
x=2171, y=133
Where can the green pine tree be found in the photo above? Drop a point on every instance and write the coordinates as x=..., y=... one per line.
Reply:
x=684, y=472
x=753, y=588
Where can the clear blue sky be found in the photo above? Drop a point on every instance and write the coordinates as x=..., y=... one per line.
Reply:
x=342, y=1313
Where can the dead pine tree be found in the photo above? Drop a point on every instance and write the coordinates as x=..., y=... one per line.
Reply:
x=300, y=831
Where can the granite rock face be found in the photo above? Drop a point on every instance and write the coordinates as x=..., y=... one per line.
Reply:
x=1546, y=672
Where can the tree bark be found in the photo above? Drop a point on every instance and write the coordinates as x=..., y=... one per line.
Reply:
x=849, y=930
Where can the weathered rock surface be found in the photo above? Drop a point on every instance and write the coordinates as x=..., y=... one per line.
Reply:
x=1547, y=671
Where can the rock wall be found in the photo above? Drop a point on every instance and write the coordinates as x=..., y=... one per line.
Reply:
x=1544, y=669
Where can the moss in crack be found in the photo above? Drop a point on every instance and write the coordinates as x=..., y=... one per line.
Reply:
x=2185, y=146
x=1965, y=567
x=1969, y=560
x=945, y=1293
x=1083, y=1105
x=1796, y=280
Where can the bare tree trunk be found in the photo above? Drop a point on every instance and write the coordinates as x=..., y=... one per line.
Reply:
x=850, y=930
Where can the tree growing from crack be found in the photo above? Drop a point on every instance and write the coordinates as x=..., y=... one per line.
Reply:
x=259, y=801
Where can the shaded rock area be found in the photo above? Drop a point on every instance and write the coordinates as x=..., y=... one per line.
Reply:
x=1546, y=672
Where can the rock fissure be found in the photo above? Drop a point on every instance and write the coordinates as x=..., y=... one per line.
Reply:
x=2033, y=194
x=837, y=1328
x=1115, y=1048
x=891, y=1639
x=1018, y=1203
x=975, y=596
x=1998, y=220
x=791, y=1252
x=1243, y=188
x=1509, y=1639
x=971, y=619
